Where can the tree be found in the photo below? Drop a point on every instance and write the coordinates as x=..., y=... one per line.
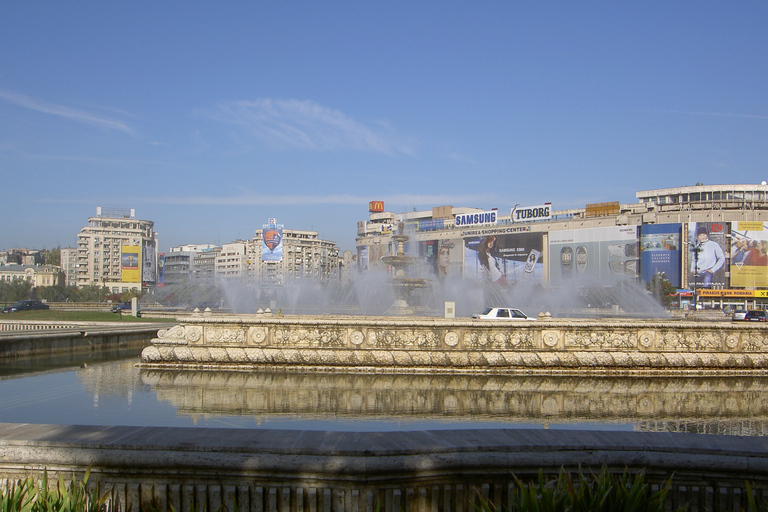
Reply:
x=52, y=256
x=662, y=289
x=14, y=291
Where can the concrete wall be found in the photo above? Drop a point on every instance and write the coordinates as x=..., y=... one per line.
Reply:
x=72, y=339
x=429, y=344
x=258, y=470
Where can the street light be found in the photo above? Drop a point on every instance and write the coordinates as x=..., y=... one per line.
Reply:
x=696, y=248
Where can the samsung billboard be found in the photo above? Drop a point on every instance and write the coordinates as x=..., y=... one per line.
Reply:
x=476, y=219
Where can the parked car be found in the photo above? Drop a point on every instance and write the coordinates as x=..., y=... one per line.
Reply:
x=25, y=305
x=502, y=314
x=756, y=315
x=123, y=306
x=738, y=314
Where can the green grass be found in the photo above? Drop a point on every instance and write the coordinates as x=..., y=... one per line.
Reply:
x=78, y=316
x=566, y=492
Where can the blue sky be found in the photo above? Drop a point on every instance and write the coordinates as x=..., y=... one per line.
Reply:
x=211, y=117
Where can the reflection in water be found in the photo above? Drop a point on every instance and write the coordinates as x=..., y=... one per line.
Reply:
x=723, y=405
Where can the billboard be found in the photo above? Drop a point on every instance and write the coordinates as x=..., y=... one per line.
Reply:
x=161, y=269
x=449, y=259
x=362, y=257
x=749, y=261
x=148, y=270
x=705, y=257
x=130, y=263
x=593, y=255
x=376, y=206
x=529, y=213
x=505, y=259
x=272, y=242
x=476, y=219
x=660, y=252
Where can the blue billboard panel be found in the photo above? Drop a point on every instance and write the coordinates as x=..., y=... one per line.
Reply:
x=660, y=252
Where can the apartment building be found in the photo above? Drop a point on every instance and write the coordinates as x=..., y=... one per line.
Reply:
x=117, y=250
x=276, y=254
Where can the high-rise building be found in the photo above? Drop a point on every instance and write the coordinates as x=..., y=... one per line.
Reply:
x=277, y=254
x=117, y=250
x=69, y=265
x=180, y=262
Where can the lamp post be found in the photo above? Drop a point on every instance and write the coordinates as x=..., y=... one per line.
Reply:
x=696, y=248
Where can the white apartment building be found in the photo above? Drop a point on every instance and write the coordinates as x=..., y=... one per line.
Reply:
x=69, y=265
x=298, y=255
x=180, y=262
x=232, y=261
x=117, y=250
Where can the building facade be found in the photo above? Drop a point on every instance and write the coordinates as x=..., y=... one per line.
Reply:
x=709, y=241
x=276, y=254
x=117, y=251
x=69, y=259
x=179, y=263
x=36, y=275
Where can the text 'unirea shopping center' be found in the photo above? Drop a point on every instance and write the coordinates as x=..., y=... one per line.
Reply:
x=709, y=241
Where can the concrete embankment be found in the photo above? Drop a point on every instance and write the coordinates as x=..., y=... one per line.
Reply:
x=202, y=469
x=62, y=338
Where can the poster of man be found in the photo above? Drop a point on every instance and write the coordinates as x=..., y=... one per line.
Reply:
x=706, y=254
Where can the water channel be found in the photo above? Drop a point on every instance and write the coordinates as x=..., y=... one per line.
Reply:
x=108, y=389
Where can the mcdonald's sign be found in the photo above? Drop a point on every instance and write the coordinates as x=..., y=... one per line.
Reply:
x=376, y=206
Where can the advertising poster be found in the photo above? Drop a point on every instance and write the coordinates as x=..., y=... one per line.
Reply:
x=148, y=270
x=272, y=243
x=749, y=258
x=129, y=263
x=706, y=254
x=660, y=251
x=161, y=269
x=449, y=261
x=505, y=259
x=602, y=255
x=362, y=257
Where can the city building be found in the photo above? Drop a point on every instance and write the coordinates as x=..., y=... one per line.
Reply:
x=118, y=251
x=232, y=261
x=204, y=266
x=179, y=263
x=36, y=275
x=277, y=254
x=709, y=241
x=69, y=258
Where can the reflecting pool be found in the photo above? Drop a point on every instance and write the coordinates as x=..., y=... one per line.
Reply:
x=111, y=390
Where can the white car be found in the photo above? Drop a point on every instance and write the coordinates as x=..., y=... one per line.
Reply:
x=502, y=314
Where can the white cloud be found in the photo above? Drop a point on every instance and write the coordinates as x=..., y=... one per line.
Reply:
x=62, y=111
x=307, y=125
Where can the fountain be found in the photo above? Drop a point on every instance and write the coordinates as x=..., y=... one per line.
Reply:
x=404, y=287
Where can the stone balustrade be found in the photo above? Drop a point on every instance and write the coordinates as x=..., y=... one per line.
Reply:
x=455, y=345
x=146, y=468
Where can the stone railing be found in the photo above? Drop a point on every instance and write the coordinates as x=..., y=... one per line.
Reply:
x=146, y=468
x=17, y=325
x=429, y=344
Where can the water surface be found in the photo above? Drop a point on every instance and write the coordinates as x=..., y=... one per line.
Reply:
x=111, y=390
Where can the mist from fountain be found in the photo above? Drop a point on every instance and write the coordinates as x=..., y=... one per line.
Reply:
x=371, y=292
